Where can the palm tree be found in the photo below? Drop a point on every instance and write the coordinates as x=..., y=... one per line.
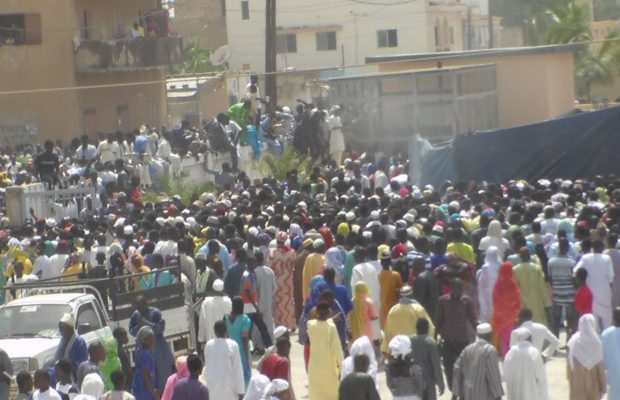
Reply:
x=598, y=63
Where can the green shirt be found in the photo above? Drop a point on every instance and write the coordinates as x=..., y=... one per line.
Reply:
x=358, y=386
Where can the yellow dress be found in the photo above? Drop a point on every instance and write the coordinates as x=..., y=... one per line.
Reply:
x=313, y=266
x=402, y=320
x=325, y=360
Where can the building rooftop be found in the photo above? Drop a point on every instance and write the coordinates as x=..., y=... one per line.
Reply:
x=407, y=72
x=510, y=51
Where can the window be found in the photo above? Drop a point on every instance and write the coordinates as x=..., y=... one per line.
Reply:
x=245, y=9
x=20, y=29
x=286, y=43
x=85, y=28
x=118, y=23
x=387, y=38
x=87, y=319
x=122, y=118
x=326, y=41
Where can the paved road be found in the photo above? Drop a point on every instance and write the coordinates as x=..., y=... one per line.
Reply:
x=556, y=374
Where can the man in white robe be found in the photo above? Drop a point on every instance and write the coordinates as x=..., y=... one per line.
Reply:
x=611, y=351
x=223, y=374
x=368, y=273
x=600, y=277
x=213, y=309
x=524, y=370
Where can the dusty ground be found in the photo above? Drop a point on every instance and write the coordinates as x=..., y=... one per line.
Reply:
x=556, y=375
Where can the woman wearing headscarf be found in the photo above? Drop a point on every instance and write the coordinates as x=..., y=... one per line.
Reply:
x=586, y=370
x=363, y=313
x=334, y=259
x=487, y=276
x=317, y=286
x=182, y=372
x=494, y=238
x=506, y=306
x=145, y=381
x=361, y=345
x=239, y=326
x=92, y=388
x=404, y=377
x=280, y=259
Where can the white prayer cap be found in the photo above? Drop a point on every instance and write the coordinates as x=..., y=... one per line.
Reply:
x=410, y=218
x=161, y=221
x=276, y=386
x=179, y=219
x=218, y=285
x=191, y=221
x=350, y=216
x=522, y=334
x=128, y=230
x=318, y=243
x=374, y=215
x=400, y=345
x=484, y=329
x=455, y=205
x=253, y=231
x=68, y=319
x=119, y=222
x=279, y=332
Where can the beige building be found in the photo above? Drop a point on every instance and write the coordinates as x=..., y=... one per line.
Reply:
x=533, y=83
x=327, y=33
x=70, y=67
x=201, y=21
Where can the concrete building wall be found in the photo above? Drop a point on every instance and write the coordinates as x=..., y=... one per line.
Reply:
x=201, y=21
x=124, y=107
x=355, y=25
x=530, y=87
x=44, y=75
x=44, y=66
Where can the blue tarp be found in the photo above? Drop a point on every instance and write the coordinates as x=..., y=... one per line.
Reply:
x=577, y=146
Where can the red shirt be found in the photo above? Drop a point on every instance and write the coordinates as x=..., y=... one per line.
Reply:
x=275, y=367
x=583, y=300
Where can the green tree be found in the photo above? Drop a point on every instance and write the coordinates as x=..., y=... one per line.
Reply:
x=196, y=60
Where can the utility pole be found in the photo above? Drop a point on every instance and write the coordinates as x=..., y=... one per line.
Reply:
x=469, y=32
x=270, y=53
x=491, y=28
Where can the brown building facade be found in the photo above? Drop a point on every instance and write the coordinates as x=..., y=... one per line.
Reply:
x=71, y=67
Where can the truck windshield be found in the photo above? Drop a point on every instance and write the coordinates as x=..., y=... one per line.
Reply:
x=37, y=320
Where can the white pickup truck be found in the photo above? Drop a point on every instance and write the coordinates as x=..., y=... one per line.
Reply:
x=29, y=325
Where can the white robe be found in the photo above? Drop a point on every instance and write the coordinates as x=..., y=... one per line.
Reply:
x=487, y=276
x=213, y=309
x=600, y=277
x=368, y=273
x=611, y=352
x=524, y=373
x=223, y=373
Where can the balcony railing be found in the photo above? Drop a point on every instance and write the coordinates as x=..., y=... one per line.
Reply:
x=127, y=54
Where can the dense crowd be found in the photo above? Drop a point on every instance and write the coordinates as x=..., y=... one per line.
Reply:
x=433, y=286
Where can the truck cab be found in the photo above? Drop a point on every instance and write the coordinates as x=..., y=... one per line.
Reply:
x=29, y=326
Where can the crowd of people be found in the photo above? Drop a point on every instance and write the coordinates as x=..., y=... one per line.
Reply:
x=435, y=287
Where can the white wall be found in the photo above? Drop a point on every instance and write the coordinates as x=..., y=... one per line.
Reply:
x=355, y=23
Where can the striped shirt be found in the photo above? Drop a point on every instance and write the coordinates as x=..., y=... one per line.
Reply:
x=476, y=373
x=560, y=270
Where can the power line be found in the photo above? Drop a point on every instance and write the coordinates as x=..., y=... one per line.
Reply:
x=236, y=74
